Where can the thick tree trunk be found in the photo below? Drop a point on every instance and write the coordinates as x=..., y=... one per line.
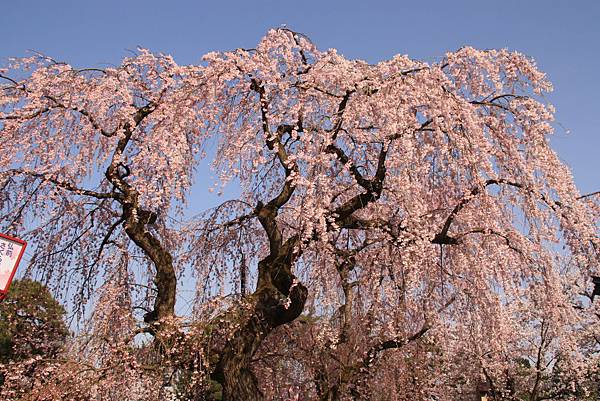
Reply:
x=278, y=299
x=165, y=279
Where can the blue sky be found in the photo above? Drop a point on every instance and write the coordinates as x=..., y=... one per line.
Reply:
x=563, y=37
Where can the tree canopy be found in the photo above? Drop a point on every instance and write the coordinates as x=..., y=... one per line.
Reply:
x=31, y=322
x=404, y=229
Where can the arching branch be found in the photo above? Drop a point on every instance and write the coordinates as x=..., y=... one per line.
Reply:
x=63, y=184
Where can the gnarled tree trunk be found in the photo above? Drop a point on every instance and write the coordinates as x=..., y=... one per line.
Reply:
x=278, y=299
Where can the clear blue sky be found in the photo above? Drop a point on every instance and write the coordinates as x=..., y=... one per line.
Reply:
x=563, y=36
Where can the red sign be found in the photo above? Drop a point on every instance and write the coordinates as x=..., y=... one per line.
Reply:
x=11, y=251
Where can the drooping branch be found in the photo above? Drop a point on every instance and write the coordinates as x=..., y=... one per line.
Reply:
x=397, y=342
x=489, y=231
x=63, y=184
x=394, y=343
x=442, y=237
x=87, y=115
x=56, y=104
x=106, y=238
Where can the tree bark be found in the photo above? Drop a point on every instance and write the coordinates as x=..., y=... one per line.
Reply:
x=165, y=279
x=278, y=299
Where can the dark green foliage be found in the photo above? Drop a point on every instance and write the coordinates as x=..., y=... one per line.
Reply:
x=31, y=322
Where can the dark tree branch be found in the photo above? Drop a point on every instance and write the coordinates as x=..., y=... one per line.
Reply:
x=106, y=239
x=400, y=342
x=373, y=187
x=64, y=185
x=444, y=238
x=589, y=195
x=339, y=115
